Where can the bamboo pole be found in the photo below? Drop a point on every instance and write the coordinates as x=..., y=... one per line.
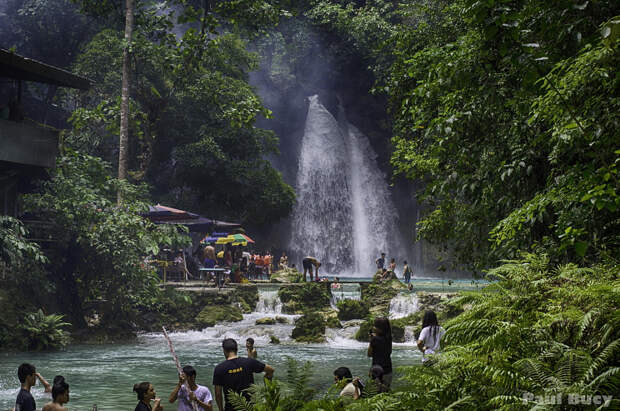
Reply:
x=178, y=365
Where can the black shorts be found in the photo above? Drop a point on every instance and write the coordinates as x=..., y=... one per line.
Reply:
x=307, y=264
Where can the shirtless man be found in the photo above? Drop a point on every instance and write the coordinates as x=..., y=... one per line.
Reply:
x=307, y=263
x=249, y=346
x=60, y=396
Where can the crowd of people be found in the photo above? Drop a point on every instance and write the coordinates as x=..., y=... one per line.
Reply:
x=236, y=374
x=242, y=264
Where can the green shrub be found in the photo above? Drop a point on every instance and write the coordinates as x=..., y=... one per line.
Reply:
x=310, y=327
x=351, y=310
x=44, y=332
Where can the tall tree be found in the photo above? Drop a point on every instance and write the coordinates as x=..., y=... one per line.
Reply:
x=124, y=131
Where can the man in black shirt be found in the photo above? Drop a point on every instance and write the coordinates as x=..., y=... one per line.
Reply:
x=380, y=262
x=236, y=374
x=27, y=377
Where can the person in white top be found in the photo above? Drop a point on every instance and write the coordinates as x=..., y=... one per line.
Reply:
x=430, y=336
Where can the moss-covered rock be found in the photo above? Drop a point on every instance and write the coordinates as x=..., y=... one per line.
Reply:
x=299, y=298
x=378, y=294
x=274, y=340
x=213, y=314
x=287, y=275
x=281, y=320
x=363, y=334
x=398, y=333
x=352, y=310
x=266, y=321
x=330, y=316
x=309, y=328
x=246, y=295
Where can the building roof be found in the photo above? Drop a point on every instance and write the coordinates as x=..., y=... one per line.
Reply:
x=13, y=65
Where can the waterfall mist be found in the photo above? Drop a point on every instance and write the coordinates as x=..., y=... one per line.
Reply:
x=344, y=214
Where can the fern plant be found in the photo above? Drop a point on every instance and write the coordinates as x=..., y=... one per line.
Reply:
x=44, y=332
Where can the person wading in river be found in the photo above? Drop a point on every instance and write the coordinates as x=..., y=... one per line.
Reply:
x=307, y=263
x=198, y=393
x=27, y=375
x=235, y=374
x=249, y=346
x=380, y=348
x=60, y=396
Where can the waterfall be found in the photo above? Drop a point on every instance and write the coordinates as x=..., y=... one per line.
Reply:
x=344, y=214
x=403, y=304
x=347, y=291
x=268, y=301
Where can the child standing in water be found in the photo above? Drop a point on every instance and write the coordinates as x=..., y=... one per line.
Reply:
x=249, y=346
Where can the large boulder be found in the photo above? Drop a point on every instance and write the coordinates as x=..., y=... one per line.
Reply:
x=287, y=275
x=309, y=328
x=352, y=310
x=299, y=298
x=213, y=314
x=378, y=294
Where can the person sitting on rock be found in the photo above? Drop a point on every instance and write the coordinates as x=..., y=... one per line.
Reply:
x=283, y=261
x=307, y=263
x=392, y=266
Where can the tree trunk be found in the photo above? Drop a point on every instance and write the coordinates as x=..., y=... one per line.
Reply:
x=124, y=131
x=67, y=291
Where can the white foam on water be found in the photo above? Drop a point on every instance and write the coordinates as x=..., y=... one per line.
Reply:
x=402, y=305
x=268, y=302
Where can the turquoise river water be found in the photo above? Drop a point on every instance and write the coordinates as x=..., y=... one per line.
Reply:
x=105, y=374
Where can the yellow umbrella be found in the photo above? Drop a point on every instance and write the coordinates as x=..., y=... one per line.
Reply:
x=243, y=243
x=225, y=240
x=220, y=254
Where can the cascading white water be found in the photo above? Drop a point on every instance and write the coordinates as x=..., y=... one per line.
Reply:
x=321, y=218
x=344, y=215
x=403, y=304
x=346, y=291
x=268, y=301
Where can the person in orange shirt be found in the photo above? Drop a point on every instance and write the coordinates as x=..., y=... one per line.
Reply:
x=258, y=260
x=267, y=261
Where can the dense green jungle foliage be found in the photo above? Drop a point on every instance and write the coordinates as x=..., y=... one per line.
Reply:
x=539, y=333
x=505, y=112
x=193, y=141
